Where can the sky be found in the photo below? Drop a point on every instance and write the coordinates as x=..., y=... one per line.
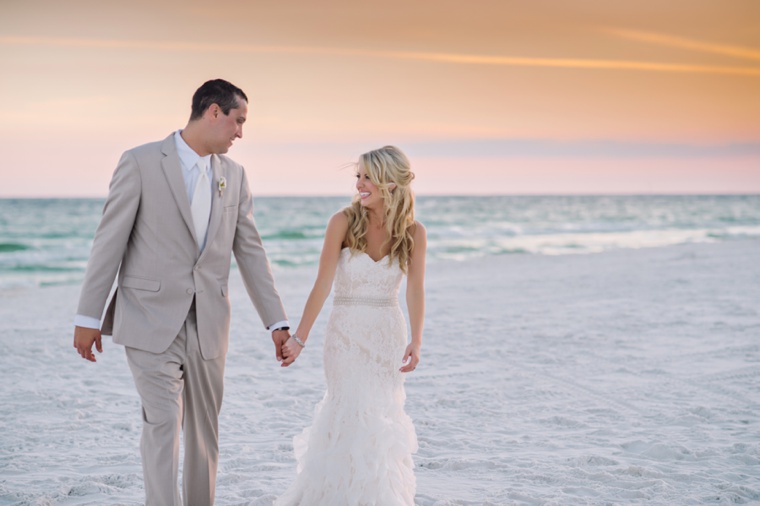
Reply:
x=484, y=96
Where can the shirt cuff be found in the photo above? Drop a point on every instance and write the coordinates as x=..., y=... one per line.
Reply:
x=87, y=322
x=279, y=325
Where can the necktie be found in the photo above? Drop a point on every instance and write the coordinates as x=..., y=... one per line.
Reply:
x=201, y=205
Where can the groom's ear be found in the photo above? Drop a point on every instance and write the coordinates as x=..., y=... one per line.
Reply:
x=213, y=110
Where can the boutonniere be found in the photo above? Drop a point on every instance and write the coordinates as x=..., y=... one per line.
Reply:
x=221, y=185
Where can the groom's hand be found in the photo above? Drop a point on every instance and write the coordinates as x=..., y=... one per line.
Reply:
x=279, y=337
x=83, y=340
x=290, y=351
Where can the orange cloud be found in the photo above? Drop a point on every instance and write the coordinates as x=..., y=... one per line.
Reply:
x=574, y=63
x=684, y=43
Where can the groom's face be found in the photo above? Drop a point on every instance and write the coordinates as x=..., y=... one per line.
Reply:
x=226, y=128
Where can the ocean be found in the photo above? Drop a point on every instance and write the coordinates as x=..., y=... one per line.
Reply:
x=47, y=241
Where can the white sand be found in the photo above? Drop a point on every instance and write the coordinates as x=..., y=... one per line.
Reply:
x=626, y=377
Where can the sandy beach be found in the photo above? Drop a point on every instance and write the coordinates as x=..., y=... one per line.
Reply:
x=624, y=377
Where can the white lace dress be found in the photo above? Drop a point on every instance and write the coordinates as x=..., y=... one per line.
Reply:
x=359, y=448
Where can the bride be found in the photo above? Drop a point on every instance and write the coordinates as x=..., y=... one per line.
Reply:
x=359, y=448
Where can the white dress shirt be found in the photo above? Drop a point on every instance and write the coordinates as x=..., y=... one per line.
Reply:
x=187, y=158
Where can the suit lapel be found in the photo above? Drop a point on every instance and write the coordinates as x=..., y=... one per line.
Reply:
x=173, y=172
x=216, y=202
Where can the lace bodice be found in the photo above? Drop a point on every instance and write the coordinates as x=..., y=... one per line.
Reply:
x=360, y=277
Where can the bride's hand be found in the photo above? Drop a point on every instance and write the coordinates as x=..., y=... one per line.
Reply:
x=290, y=351
x=411, y=358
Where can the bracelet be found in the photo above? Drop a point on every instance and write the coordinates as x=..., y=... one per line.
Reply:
x=298, y=340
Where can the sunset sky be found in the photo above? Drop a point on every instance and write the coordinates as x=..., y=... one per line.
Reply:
x=486, y=97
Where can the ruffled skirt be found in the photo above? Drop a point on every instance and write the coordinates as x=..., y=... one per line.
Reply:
x=359, y=448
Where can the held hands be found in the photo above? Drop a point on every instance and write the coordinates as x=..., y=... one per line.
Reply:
x=411, y=358
x=290, y=351
x=83, y=340
x=280, y=337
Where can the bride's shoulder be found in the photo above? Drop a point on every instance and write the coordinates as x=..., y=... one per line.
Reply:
x=337, y=227
x=419, y=239
x=418, y=230
x=339, y=219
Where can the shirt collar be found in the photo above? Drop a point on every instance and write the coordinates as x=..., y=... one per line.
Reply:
x=187, y=157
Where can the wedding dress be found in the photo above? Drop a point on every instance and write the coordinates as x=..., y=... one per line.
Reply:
x=359, y=448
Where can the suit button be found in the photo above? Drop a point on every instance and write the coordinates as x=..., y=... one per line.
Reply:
x=190, y=291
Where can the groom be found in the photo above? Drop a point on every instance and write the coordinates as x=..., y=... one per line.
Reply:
x=175, y=211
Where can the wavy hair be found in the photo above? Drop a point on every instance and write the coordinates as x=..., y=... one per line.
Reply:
x=386, y=166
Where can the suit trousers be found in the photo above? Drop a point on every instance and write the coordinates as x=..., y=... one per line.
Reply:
x=180, y=392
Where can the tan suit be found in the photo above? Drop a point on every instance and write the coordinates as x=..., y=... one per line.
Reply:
x=172, y=308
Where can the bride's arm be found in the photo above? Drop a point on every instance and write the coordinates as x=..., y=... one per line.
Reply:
x=415, y=297
x=335, y=234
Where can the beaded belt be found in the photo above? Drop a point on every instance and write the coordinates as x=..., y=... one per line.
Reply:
x=364, y=301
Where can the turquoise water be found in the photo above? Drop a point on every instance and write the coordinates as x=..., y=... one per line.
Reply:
x=47, y=241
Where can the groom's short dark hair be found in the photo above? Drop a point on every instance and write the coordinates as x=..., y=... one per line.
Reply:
x=219, y=92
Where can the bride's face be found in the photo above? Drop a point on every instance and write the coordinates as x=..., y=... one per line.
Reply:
x=368, y=192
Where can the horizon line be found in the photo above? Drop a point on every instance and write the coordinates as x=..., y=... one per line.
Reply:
x=444, y=195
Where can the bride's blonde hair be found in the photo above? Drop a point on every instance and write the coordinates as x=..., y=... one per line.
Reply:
x=386, y=167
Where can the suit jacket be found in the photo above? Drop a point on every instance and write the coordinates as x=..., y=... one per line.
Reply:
x=147, y=235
